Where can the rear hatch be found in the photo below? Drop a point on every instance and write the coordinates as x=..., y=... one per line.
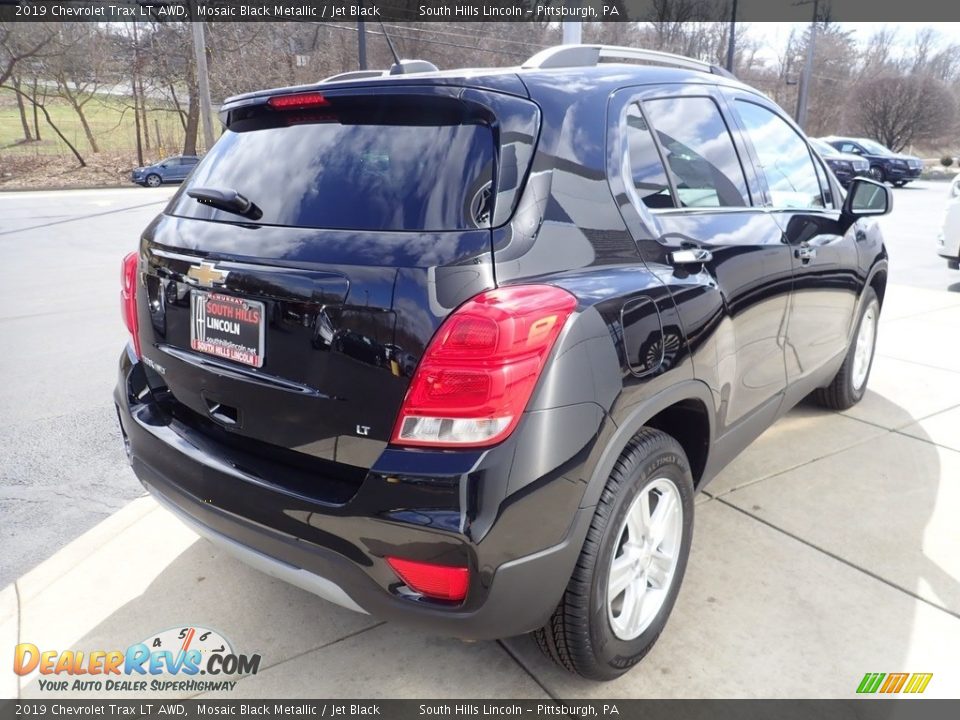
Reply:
x=289, y=318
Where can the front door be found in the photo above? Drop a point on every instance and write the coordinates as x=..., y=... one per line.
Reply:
x=803, y=203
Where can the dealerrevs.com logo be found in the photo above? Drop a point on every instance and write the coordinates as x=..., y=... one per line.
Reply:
x=185, y=659
x=894, y=683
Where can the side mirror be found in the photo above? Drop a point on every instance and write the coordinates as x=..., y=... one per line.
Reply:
x=867, y=197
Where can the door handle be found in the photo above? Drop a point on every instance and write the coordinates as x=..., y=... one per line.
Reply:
x=691, y=256
x=805, y=253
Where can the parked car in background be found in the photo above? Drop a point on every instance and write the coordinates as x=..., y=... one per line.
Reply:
x=948, y=241
x=172, y=170
x=581, y=335
x=885, y=164
x=846, y=166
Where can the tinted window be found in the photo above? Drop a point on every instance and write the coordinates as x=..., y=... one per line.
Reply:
x=785, y=159
x=698, y=151
x=360, y=171
x=649, y=176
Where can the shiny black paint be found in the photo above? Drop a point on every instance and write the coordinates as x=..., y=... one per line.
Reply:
x=712, y=352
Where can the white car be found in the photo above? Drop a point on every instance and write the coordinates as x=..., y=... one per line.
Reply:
x=948, y=241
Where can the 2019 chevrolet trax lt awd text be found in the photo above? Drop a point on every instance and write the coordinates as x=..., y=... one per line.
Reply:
x=458, y=348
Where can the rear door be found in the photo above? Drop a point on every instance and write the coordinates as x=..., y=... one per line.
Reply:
x=693, y=189
x=803, y=203
x=298, y=324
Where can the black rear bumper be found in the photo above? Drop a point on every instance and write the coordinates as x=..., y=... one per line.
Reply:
x=519, y=567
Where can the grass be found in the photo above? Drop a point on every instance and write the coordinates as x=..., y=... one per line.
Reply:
x=110, y=118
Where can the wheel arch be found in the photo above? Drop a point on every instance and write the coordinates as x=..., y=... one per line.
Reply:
x=684, y=411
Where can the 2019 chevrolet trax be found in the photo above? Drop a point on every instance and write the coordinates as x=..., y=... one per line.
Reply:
x=458, y=348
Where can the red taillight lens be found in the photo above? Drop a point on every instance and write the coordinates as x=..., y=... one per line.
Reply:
x=300, y=101
x=442, y=582
x=128, y=298
x=479, y=371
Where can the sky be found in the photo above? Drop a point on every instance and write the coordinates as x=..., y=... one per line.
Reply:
x=774, y=35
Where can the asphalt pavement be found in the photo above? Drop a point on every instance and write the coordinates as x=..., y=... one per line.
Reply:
x=828, y=549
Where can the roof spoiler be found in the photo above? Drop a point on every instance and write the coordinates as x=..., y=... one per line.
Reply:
x=404, y=67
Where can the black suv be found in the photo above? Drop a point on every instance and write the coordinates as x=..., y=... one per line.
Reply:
x=458, y=349
x=885, y=164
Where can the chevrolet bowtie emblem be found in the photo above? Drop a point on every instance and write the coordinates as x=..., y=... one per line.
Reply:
x=207, y=274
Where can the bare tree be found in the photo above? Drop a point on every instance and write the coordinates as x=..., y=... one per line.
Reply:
x=78, y=65
x=901, y=110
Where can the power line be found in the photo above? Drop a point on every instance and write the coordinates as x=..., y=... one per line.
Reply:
x=432, y=42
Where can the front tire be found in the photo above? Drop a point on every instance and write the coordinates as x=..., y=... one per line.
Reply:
x=626, y=580
x=153, y=180
x=850, y=383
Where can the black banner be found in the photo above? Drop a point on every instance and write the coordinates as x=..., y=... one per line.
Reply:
x=875, y=709
x=542, y=11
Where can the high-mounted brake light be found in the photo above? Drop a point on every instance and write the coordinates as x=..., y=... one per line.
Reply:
x=128, y=298
x=479, y=371
x=442, y=582
x=300, y=101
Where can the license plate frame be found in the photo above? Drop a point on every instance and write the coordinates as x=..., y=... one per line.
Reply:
x=228, y=327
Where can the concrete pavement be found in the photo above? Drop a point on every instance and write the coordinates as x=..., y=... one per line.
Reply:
x=827, y=550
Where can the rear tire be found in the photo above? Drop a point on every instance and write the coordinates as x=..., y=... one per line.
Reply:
x=599, y=630
x=850, y=383
x=877, y=173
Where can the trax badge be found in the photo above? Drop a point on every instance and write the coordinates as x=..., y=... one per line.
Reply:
x=207, y=274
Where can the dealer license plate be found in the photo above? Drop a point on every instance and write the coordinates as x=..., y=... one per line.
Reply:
x=228, y=327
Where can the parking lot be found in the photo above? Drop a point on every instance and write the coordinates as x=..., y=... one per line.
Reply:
x=827, y=550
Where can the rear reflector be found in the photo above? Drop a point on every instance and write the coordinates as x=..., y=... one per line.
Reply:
x=479, y=371
x=441, y=582
x=300, y=101
x=128, y=298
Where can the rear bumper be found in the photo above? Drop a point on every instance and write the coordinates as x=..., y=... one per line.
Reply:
x=519, y=563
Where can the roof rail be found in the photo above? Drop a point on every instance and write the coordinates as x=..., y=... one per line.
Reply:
x=567, y=56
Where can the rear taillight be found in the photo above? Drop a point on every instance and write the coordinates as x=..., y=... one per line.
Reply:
x=128, y=298
x=441, y=582
x=479, y=371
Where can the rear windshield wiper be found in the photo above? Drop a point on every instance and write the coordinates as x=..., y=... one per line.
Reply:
x=228, y=200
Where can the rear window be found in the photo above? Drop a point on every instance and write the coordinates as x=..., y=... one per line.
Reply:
x=357, y=165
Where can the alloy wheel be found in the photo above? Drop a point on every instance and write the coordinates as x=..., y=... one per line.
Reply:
x=645, y=559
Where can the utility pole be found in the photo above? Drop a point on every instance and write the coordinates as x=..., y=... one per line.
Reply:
x=362, y=43
x=732, y=40
x=135, y=91
x=804, y=89
x=203, y=79
x=572, y=28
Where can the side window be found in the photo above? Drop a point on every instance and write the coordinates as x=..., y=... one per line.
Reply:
x=648, y=174
x=784, y=157
x=698, y=151
x=851, y=148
